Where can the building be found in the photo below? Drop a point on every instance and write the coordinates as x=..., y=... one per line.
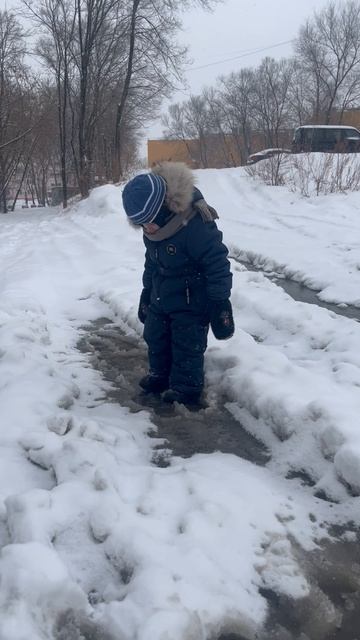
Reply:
x=220, y=151
x=213, y=151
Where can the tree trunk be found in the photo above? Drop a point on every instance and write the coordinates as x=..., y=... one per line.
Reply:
x=117, y=171
x=21, y=182
x=62, y=140
x=83, y=168
x=3, y=202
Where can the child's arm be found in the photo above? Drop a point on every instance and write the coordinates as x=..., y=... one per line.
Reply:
x=206, y=248
x=145, y=297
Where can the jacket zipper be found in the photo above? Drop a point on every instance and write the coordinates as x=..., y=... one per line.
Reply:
x=157, y=292
x=187, y=291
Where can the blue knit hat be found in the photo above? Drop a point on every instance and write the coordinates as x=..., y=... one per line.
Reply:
x=143, y=196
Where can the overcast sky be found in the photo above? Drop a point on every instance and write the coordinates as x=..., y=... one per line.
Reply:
x=237, y=28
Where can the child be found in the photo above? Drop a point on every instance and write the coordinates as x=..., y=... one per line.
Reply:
x=187, y=279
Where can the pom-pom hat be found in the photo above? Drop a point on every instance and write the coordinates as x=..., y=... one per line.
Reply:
x=143, y=197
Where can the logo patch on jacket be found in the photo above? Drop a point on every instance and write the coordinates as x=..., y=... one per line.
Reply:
x=171, y=249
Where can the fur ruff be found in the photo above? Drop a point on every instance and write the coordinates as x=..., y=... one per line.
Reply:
x=180, y=185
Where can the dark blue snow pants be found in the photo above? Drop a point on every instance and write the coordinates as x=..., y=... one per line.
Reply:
x=176, y=346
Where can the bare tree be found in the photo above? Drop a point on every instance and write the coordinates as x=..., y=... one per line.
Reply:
x=100, y=57
x=198, y=122
x=328, y=48
x=270, y=99
x=246, y=101
x=43, y=155
x=237, y=91
x=15, y=109
x=190, y=121
x=111, y=60
x=264, y=104
x=221, y=148
x=304, y=99
x=154, y=62
x=56, y=19
x=174, y=122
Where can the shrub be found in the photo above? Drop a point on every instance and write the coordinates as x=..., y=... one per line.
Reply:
x=311, y=173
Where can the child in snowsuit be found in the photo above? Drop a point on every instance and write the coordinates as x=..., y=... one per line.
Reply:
x=186, y=281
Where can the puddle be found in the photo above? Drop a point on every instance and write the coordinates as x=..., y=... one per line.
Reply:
x=122, y=360
x=303, y=294
x=332, y=611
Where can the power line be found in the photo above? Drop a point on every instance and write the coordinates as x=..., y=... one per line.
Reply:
x=243, y=55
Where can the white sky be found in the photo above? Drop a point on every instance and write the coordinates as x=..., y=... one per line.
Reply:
x=236, y=28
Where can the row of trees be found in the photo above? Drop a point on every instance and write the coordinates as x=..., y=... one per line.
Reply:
x=317, y=85
x=99, y=70
x=102, y=70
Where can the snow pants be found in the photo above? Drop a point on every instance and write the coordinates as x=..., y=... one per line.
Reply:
x=176, y=346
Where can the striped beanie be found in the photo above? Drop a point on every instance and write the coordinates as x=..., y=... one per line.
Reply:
x=143, y=196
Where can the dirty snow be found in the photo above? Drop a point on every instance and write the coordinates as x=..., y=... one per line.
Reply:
x=97, y=538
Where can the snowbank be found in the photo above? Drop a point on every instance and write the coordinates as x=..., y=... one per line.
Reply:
x=87, y=524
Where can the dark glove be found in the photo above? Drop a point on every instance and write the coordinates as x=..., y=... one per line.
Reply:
x=144, y=304
x=221, y=319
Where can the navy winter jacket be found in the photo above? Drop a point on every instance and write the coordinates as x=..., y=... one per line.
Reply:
x=188, y=270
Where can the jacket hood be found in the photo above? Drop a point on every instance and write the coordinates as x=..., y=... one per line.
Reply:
x=180, y=185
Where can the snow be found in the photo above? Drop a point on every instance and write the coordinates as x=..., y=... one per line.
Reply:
x=96, y=536
x=313, y=241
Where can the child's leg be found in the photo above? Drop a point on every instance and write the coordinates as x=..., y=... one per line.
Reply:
x=188, y=342
x=158, y=339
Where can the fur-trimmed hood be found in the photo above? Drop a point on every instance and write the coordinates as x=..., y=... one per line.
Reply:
x=179, y=185
x=180, y=199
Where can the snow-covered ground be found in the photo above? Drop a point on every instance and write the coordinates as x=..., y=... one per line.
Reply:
x=88, y=525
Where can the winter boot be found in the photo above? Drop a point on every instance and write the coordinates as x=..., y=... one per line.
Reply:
x=153, y=383
x=170, y=396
